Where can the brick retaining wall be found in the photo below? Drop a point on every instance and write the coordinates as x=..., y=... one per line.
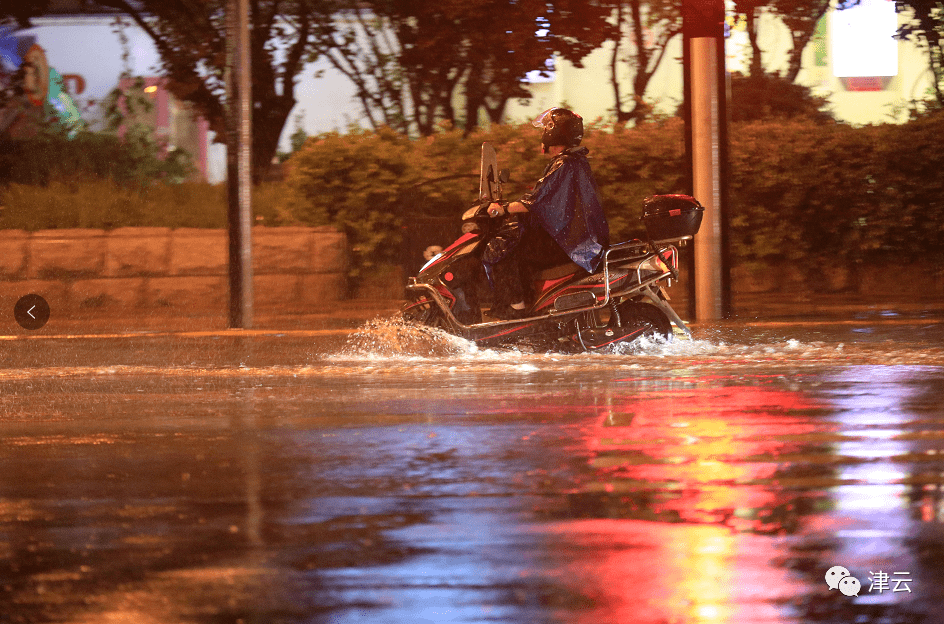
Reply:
x=131, y=271
x=181, y=271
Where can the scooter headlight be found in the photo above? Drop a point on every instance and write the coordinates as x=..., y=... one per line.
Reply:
x=430, y=262
x=470, y=226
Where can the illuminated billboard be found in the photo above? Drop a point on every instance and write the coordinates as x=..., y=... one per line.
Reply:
x=862, y=37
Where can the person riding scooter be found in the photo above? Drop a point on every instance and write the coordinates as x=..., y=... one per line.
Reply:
x=557, y=222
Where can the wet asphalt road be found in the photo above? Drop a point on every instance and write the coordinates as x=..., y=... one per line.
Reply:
x=398, y=476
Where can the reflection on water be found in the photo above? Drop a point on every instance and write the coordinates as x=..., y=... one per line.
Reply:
x=407, y=476
x=707, y=453
x=670, y=572
x=896, y=445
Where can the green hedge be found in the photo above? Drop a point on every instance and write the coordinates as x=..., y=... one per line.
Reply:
x=812, y=192
x=798, y=189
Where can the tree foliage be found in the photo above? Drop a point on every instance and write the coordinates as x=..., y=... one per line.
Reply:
x=799, y=16
x=22, y=11
x=772, y=92
x=649, y=26
x=411, y=61
x=924, y=24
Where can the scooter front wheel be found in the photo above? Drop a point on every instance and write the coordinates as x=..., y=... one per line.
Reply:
x=422, y=311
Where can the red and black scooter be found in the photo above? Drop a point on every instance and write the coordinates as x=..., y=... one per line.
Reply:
x=571, y=310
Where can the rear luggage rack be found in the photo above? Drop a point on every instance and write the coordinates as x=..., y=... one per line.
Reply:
x=672, y=217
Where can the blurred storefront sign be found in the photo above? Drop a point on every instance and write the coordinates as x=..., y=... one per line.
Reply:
x=863, y=40
x=43, y=86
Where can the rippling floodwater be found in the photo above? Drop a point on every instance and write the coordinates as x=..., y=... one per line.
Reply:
x=396, y=474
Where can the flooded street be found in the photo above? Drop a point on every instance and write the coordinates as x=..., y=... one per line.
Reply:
x=398, y=475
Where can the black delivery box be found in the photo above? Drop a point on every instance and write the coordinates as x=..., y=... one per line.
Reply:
x=672, y=217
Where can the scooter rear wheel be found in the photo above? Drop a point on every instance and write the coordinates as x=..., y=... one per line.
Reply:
x=652, y=319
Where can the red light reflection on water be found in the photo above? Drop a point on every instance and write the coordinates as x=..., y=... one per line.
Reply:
x=648, y=572
x=706, y=460
x=714, y=453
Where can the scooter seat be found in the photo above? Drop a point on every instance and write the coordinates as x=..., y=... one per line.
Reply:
x=559, y=271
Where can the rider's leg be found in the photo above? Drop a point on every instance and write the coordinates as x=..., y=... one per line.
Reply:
x=509, y=290
x=538, y=252
x=507, y=276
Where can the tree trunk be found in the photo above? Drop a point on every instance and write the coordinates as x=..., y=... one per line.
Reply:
x=268, y=120
x=497, y=111
x=935, y=56
x=621, y=116
x=641, y=79
x=756, y=66
x=802, y=28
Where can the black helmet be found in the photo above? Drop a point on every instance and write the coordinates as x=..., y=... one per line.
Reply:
x=561, y=127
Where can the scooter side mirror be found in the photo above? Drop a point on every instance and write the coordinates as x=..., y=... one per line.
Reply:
x=504, y=176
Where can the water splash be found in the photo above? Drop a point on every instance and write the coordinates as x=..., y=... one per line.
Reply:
x=393, y=337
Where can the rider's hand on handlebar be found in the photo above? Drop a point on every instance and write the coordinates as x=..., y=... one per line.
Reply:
x=495, y=209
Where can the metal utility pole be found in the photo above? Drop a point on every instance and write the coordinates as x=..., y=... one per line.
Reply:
x=239, y=163
x=707, y=148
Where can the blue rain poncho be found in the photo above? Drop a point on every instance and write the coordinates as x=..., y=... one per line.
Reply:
x=566, y=203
